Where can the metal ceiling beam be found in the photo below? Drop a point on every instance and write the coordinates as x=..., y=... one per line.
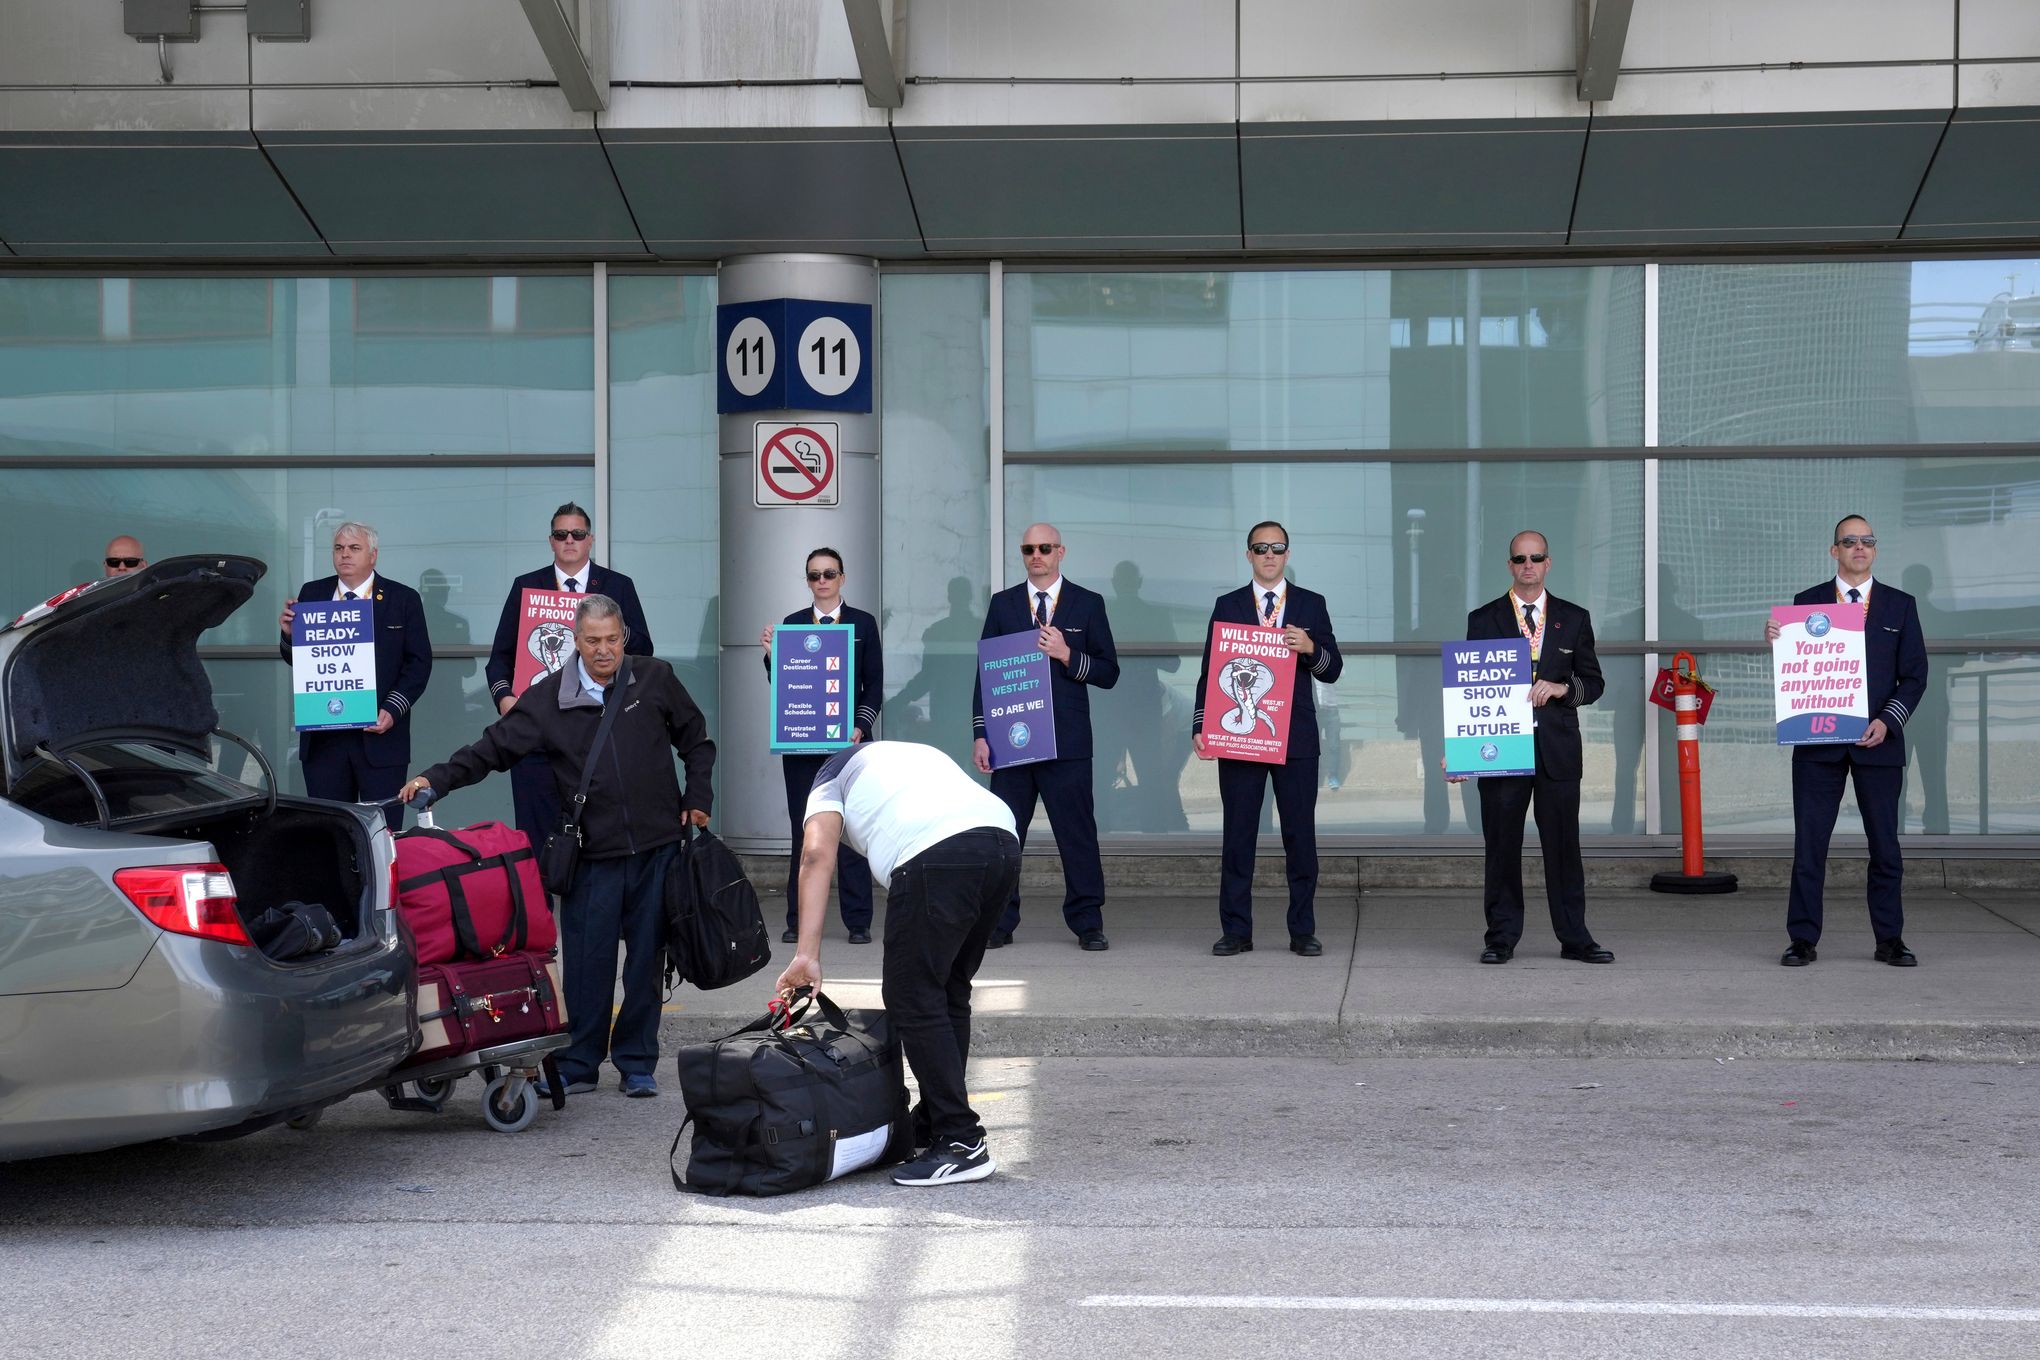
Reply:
x=1601, y=27
x=574, y=35
x=874, y=37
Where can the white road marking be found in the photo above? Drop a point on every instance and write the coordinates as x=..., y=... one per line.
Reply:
x=1624, y=1307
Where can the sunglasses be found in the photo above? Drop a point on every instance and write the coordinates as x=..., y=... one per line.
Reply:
x=1519, y=559
x=1845, y=541
x=562, y=535
x=1263, y=549
x=128, y=562
x=825, y=574
x=1038, y=549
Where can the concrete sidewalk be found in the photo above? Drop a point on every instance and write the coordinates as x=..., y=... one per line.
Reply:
x=1693, y=977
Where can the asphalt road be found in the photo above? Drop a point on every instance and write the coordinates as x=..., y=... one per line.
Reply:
x=1146, y=1207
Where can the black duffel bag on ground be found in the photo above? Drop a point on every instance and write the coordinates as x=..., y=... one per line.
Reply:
x=776, y=1109
x=715, y=934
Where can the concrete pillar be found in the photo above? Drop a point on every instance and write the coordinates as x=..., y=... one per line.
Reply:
x=765, y=549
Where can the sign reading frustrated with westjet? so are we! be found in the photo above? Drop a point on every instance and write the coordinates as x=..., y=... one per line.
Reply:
x=1488, y=720
x=332, y=665
x=1019, y=708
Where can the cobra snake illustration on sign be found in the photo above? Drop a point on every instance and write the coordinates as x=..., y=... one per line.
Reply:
x=1248, y=682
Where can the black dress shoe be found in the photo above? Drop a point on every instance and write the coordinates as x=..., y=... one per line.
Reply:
x=1091, y=941
x=1229, y=945
x=1306, y=945
x=1798, y=954
x=1894, y=952
x=860, y=937
x=1587, y=953
x=789, y=936
x=1497, y=953
x=999, y=939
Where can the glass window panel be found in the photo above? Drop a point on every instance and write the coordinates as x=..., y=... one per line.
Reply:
x=935, y=505
x=664, y=494
x=185, y=366
x=1971, y=749
x=1835, y=352
x=457, y=534
x=1400, y=550
x=1738, y=536
x=1325, y=359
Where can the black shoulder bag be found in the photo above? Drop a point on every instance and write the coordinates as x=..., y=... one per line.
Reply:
x=560, y=858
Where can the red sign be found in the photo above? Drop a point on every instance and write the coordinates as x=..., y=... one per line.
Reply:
x=1249, y=694
x=545, y=636
x=1664, y=693
x=797, y=463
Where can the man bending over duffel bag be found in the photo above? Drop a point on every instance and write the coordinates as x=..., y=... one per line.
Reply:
x=945, y=849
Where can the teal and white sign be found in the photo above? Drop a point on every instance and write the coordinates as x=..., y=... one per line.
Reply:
x=332, y=665
x=1487, y=708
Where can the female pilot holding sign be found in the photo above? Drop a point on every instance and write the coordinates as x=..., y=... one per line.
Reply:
x=825, y=576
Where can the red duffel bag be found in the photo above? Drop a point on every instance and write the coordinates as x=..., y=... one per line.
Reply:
x=472, y=893
x=467, y=1006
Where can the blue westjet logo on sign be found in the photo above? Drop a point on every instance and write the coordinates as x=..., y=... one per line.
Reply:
x=1488, y=752
x=1817, y=625
x=1018, y=735
x=811, y=643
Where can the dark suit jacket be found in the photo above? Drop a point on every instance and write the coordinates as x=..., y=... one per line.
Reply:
x=1080, y=613
x=1568, y=660
x=502, y=669
x=1306, y=609
x=1897, y=653
x=870, y=684
x=403, y=665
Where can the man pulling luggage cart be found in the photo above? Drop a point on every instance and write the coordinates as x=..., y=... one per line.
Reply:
x=946, y=849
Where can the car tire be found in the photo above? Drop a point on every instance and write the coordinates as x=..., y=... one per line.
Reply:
x=505, y=1116
x=306, y=1120
x=435, y=1089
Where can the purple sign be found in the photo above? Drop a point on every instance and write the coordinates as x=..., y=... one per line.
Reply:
x=1013, y=683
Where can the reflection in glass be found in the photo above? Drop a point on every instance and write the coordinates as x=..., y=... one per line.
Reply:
x=1354, y=359
x=1401, y=551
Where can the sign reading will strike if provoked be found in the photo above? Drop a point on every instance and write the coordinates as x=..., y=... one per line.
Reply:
x=1246, y=700
x=1013, y=687
x=1487, y=708
x=1818, y=669
x=332, y=665
x=545, y=636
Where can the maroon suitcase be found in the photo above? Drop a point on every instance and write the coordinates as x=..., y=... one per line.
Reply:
x=464, y=1006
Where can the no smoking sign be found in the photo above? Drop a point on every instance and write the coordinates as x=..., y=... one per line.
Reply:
x=794, y=464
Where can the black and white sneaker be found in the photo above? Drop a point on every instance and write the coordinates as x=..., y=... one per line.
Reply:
x=950, y=1164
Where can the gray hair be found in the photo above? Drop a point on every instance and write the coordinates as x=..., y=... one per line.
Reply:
x=594, y=608
x=367, y=532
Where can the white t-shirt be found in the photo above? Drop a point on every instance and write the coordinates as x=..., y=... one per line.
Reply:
x=898, y=798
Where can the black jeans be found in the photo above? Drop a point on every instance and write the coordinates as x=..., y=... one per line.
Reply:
x=939, y=910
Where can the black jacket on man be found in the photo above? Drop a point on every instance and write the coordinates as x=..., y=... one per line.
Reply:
x=1307, y=610
x=870, y=679
x=1895, y=651
x=1094, y=660
x=403, y=665
x=502, y=669
x=1568, y=659
x=634, y=799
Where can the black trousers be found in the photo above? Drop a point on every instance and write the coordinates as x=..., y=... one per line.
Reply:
x=1064, y=788
x=614, y=902
x=1241, y=786
x=1504, y=799
x=939, y=910
x=336, y=767
x=853, y=871
x=1816, y=802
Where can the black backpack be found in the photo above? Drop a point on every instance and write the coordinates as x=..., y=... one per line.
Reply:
x=295, y=930
x=791, y=1102
x=715, y=934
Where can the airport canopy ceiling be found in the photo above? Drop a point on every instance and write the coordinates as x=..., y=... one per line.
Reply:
x=638, y=130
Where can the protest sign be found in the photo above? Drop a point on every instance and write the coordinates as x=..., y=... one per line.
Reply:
x=1819, y=675
x=1488, y=719
x=545, y=636
x=813, y=708
x=1249, y=692
x=332, y=665
x=1013, y=686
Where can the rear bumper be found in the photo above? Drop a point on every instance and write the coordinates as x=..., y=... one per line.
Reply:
x=204, y=1037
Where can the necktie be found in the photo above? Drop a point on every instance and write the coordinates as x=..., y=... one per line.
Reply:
x=573, y=586
x=1268, y=608
x=351, y=595
x=1041, y=608
x=1530, y=617
x=828, y=618
x=1855, y=595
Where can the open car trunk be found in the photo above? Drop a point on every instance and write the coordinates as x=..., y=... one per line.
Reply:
x=302, y=851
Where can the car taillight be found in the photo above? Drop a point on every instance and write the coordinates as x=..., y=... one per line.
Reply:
x=190, y=899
